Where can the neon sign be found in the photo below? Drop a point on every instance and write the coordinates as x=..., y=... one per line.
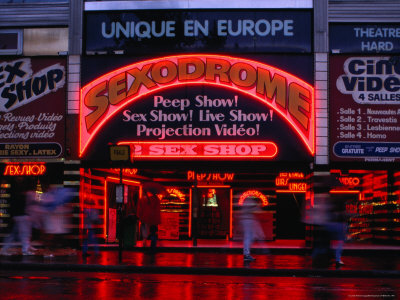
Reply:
x=177, y=193
x=285, y=94
x=290, y=183
x=24, y=169
x=198, y=150
x=254, y=194
x=127, y=171
x=192, y=175
x=349, y=181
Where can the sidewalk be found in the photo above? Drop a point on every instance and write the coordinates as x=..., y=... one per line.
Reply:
x=218, y=258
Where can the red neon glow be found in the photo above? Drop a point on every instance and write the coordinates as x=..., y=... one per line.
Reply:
x=230, y=213
x=349, y=181
x=176, y=193
x=286, y=180
x=255, y=194
x=190, y=213
x=24, y=169
x=86, y=194
x=289, y=96
x=192, y=175
x=344, y=192
x=115, y=180
x=291, y=191
x=213, y=186
x=201, y=150
x=126, y=171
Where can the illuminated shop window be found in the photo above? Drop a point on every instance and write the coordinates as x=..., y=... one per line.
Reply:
x=210, y=198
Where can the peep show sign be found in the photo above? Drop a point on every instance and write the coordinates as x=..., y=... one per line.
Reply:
x=177, y=31
x=32, y=107
x=200, y=106
x=365, y=108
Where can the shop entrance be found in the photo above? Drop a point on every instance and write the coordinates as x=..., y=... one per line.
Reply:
x=214, y=207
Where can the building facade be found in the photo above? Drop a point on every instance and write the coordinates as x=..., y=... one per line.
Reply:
x=215, y=102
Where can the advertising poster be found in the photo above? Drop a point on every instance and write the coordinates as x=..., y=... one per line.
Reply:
x=169, y=227
x=365, y=108
x=32, y=107
x=199, y=106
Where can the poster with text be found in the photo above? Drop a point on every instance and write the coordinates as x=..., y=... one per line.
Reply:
x=364, y=108
x=32, y=107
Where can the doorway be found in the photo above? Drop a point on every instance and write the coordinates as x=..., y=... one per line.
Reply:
x=214, y=207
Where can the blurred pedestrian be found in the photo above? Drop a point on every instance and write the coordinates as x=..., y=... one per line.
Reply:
x=338, y=227
x=250, y=225
x=56, y=222
x=91, y=219
x=21, y=228
x=319, y=217
x=149, y=214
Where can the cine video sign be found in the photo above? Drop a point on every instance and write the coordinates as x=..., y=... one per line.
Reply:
x=199, y=107
x=365, y=108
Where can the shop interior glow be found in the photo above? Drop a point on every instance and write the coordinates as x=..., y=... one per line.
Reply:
x=103, y=98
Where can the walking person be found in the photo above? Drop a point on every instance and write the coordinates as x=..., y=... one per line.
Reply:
x=250, y=225
x=91, y=218
x=338, y=227
x=22, y=228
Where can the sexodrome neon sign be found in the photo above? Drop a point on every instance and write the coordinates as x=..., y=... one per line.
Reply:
x=290, y=97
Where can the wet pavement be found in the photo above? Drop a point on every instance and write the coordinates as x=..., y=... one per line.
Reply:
x=217, y=259
x=28, y=285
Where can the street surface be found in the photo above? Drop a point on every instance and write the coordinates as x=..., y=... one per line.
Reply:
x=30, y=285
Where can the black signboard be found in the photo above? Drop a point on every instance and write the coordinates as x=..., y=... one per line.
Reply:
x=177, y=31
x=364, y=38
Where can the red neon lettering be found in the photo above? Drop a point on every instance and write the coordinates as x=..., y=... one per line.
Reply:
x=253, y=193
x=190, y=175
x=201, y=150
x=24, y=170
x=281, y=181
x=349, y=181
x=298, y=186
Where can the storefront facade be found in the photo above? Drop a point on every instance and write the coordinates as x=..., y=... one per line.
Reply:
x=219, y=103
x=208, y=102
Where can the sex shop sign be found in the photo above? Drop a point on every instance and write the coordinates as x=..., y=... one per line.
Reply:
x=32, y=107
x=198, y=107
